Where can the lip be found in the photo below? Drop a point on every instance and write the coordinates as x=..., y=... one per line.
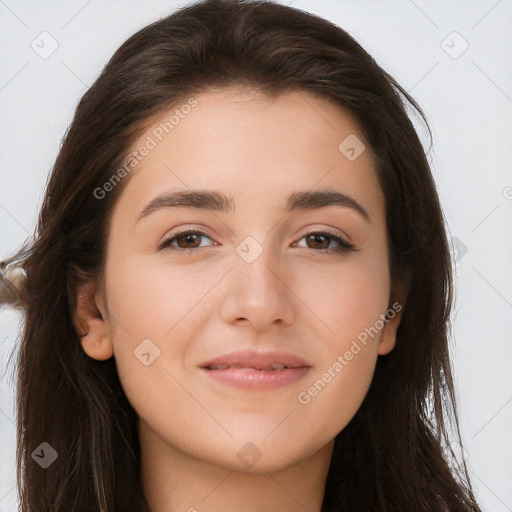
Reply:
x=249, y=369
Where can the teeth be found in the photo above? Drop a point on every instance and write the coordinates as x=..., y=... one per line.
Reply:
x=278, y=366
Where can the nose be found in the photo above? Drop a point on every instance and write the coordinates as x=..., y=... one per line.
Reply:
x=259, y=293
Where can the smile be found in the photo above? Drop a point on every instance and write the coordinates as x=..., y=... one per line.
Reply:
x=258, y=371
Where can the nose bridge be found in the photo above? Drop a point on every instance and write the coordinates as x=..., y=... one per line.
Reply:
x=258, y=291
x=260, y=265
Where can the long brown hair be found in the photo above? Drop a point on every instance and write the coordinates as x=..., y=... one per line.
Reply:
x=395, y=453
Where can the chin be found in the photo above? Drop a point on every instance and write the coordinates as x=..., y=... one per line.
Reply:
x=260, y=454
x=251, y=460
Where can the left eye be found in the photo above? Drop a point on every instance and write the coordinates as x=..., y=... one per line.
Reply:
x=343, y=245
x=188, y=240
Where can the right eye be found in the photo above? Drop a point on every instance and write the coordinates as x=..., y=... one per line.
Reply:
x=187, y=238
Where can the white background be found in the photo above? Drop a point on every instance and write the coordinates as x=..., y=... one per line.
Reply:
x=468, y=101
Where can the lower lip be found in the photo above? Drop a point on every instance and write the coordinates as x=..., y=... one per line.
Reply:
x=259, y=380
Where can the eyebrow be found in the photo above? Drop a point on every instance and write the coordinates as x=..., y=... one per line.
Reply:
x=219, y=202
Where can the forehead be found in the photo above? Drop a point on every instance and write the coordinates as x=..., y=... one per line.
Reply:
x=255, y=147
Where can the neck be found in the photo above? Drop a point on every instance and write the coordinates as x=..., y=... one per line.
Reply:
x=172, y=481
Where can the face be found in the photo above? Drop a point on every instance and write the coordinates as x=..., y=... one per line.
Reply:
x=257, y=274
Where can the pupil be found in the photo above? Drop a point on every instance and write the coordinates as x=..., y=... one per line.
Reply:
x=189, y=239
x=317, y=237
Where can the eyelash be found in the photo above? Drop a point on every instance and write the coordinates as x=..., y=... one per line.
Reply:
x=344, y=245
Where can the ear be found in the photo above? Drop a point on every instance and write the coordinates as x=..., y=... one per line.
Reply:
x=89, y=319
x=392, y=321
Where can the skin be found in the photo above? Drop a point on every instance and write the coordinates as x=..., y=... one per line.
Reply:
x=197, y=305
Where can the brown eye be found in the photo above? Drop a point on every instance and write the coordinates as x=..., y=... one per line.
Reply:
x=190, y=240
x=317, y=241
x=186, y=240
x=322, y=240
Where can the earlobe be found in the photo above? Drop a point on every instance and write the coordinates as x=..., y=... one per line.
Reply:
x=90, y=323
x=97, y=346
x=388, y=336
x=393, y=317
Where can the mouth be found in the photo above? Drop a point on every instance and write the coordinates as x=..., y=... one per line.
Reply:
x=273, y=367
x=256, y=370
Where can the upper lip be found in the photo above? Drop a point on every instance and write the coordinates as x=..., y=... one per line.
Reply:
x=257, y=360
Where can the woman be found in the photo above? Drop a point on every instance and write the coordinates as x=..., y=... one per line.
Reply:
x=295, y=358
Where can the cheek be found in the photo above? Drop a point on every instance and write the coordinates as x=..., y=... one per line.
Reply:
x=347, y=303
x=165, y=304
x=335, y=393
x=152, y=298
x=348, y=298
